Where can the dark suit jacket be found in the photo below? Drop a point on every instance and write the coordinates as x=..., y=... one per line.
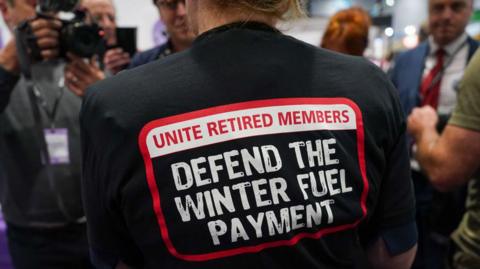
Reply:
x=407, y=73
x=148, y=56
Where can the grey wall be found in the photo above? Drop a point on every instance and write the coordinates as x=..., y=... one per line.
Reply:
x=408, y=12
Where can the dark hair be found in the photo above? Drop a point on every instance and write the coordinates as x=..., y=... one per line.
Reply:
x=347, y=31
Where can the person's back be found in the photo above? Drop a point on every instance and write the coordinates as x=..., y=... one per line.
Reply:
x=260, y=164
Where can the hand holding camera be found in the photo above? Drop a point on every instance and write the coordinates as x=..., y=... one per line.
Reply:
x=47, y=32
x=46, y=37
x=116, y=59
x=80, y=74
x=43, y=36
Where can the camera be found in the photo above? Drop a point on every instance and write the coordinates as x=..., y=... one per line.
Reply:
x=76, y=36
x=55, y=6
x=80, y=38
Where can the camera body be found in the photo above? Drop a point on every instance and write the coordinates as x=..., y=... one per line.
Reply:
x=80, y=38
x=76, y=36
x=54, y=6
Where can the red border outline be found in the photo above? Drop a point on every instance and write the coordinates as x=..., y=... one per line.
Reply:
x=152, y=184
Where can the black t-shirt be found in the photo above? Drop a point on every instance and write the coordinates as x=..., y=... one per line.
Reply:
x=249, y=150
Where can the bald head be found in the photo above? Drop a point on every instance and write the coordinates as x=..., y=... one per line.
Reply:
x=96, y=2
x=103, y=13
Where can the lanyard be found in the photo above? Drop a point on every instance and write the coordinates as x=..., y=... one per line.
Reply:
x=440, y=74
x=42, y=102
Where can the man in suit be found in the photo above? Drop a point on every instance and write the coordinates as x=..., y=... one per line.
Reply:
x=429, y=75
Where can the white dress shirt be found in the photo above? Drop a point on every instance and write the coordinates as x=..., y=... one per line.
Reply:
x=453, y=73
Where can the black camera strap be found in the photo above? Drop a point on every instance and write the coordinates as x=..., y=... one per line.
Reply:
x=33, y=94
x=42, y=101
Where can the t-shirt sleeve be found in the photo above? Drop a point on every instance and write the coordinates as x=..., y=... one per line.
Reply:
x=394, y=209
x=467, y=110
x=107, y=232
x=396, y=205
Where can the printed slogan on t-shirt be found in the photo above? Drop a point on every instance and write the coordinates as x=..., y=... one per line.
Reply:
x=249, y=176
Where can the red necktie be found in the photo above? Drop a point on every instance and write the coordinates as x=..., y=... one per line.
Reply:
x=430, y=88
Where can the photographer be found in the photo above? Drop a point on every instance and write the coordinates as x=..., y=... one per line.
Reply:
x=40, y=196
x=80, y=74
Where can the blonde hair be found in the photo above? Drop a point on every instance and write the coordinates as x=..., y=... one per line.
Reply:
x=277, y=8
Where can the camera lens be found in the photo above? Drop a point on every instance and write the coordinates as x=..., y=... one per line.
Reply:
x=81, y=39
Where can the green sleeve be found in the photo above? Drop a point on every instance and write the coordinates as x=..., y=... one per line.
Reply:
x=467, y=111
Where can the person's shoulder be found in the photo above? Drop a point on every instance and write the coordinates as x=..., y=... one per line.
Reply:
x=413, y=54
x=148, y=76
x=359, y=73
x=147, y=56
x=321, y=55
x=152, y=52
x=352, y=66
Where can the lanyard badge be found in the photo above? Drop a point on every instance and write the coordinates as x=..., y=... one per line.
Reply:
x=57, y=145
x=56, y=139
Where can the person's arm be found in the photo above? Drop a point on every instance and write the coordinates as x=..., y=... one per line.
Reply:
x=381, y=258
x=46, y=32
x=450, y=159
x=8, y=58
x=393, y=243
x=116, y=60
x=111, y=244
x=8, y=73
x=79, y=75
x=390, y=232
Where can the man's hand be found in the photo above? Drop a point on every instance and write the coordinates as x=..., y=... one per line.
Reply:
x=116, y=60
x=79, y=75
x=8, y=58
x=421, y=120
x=47, y=33
x=448, y=160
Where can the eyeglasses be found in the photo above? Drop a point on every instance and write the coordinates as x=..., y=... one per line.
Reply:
x=170, y=4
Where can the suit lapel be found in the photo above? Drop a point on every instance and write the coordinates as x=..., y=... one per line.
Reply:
x=420, y=57
x=472, y=47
